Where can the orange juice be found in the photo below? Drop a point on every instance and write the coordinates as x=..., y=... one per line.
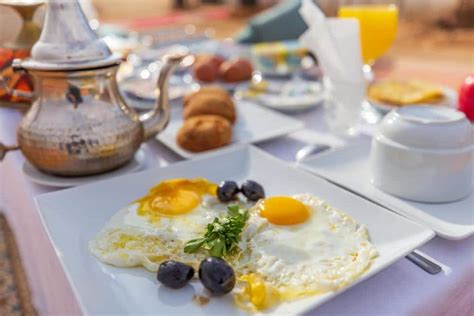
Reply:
x=378, y=27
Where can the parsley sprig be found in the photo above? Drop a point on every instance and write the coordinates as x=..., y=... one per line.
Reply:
x=222, y=235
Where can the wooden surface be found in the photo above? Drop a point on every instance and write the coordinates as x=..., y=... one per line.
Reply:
x=431, y=53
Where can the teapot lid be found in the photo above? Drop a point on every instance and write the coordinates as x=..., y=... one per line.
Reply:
x=67, y=42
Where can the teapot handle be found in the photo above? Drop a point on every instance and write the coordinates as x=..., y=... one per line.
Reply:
x=4, y=149
x=155, y=120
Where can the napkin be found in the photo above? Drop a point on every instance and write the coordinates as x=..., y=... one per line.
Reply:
x=336, y=44
x=281, y=22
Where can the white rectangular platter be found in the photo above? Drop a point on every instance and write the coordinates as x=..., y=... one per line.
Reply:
x=349, y=168
x=254, y=124
x=72, y=217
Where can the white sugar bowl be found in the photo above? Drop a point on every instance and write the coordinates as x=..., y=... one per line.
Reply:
x=424, y=154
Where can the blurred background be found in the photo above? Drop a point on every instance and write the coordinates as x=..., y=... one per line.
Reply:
x=434, y=36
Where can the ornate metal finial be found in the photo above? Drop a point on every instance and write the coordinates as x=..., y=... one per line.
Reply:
x=67, y=42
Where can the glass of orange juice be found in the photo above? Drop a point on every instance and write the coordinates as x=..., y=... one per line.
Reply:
x=378, y=21
x=378, y=25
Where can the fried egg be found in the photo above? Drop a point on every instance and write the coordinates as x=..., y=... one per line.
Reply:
x=155, y=227
x=291, y=246
x=306, y=247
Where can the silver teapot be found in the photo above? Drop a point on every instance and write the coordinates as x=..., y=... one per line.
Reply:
x=78, y=123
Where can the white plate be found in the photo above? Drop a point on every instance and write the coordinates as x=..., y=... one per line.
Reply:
x=141, y=93
x=229, y=86
x=285, y=100
x=72, y=217
x=36, y=176
x=254, y=124
x=450, y=100
x=291, y=104
x=349, y=167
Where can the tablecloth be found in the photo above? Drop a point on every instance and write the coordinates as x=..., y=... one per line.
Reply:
x=401, y=289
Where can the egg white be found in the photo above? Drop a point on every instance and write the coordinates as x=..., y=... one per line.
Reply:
x=130, y=240
x=325, y=253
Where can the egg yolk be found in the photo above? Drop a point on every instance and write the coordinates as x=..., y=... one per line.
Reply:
x=174, y=197
x=257, y=292
x=283, y=210
x=179, y=202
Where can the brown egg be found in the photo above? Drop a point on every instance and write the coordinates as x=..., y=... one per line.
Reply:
x=235, y=70
x=246, y=67
x=204, y=132
x=205, y=71
x=229, y=72
x=216, y=60
x=203, y=104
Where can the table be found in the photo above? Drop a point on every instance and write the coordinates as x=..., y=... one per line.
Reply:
x=402, y=289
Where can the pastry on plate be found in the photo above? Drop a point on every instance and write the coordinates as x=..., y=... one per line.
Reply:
x=400, y=93
x=211, y=104
x=204, y=132
x=212, y=90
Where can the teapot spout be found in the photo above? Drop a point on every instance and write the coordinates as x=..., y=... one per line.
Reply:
x=155, y=120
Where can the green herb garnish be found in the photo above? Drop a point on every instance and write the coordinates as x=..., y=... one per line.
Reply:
x=222, y=235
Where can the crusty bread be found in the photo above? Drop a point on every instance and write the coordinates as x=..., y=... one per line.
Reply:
x=211, y=104
x=215, y=90
x=204, y=132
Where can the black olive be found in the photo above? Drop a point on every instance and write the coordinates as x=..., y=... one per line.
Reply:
x=216, y=275
x=174, y=274
x=252, y=190
x=227, y=191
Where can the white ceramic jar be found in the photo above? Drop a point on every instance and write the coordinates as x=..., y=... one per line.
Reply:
x=424, y=153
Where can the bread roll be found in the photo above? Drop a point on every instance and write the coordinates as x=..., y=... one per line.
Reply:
x=203, y=104
x=204, y=132
x=213, y=90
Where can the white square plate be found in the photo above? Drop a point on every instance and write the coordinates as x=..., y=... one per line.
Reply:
x=250, y=127
x=349, y=168
x=72, y=217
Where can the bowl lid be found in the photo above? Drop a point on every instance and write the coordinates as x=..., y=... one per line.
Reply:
x=428, y=127
x=67, y=42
